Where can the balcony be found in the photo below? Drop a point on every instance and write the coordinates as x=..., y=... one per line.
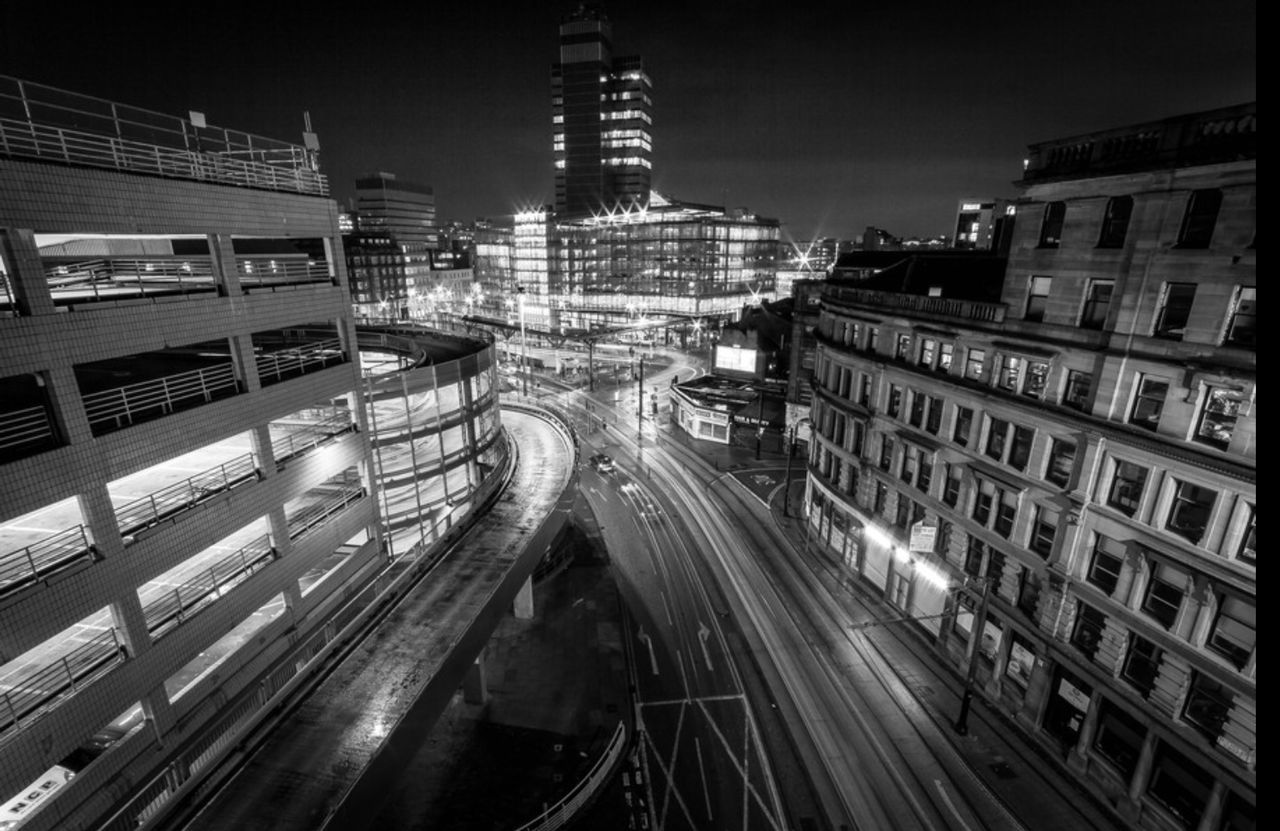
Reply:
x=1223, y=135
x=917, y=304
x=53, y=125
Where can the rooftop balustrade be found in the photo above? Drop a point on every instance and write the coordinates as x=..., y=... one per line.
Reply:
x=53, y=125
x=918, y=304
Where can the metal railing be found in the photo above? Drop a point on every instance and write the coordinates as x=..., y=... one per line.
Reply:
x=26, y=427
x=29, y=562
x=65, y=675
x=564, y=810
x=119, y=407
x=267, y=272
x=317, y=513
x=113, y=279
x=179, y=603
x=943, y=306
x=152, y=508
x=298, y=360
x=55, y=125
x=302, y=440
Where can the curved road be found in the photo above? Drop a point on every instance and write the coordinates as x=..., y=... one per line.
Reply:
x=304, y=768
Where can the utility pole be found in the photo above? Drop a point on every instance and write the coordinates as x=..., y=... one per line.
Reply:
x=975, y=644
x=760, y=426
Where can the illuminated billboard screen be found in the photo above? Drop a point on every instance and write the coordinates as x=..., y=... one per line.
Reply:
x=736, y=359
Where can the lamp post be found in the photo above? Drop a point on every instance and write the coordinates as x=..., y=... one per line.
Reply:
x=791, y=452
x=979, y=624
x=524, y=345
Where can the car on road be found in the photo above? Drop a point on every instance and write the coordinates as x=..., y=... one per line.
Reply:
x=602, y=463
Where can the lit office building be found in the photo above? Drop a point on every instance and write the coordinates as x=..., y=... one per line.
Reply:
x=669, y=260
x=1055, y=472
x=602, y=114
x=983, y=224
x=191, y=513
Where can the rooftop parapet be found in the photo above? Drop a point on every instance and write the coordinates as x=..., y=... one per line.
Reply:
x=53, y=125
x=1223, y=135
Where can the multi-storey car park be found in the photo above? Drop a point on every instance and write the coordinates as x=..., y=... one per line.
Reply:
x=1078, y=445
x=190, y=511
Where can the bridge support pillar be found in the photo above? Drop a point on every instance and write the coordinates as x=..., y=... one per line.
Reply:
x=524, y=601
x=474, y=688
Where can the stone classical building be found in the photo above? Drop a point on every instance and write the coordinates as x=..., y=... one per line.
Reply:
x=1074, y=446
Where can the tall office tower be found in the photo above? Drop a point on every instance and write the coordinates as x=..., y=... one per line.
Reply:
x=602, y=117
x=405, y=211
x=1055, y=471
x=187, y=492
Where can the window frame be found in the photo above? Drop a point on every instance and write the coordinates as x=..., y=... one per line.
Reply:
x=973, y=368
x=1148, y=655
x=1118, y=500
x=1115, y=222
x=1009, y=375
x=952, y=485
x=1051, y=224
x=1157, y=601
x=1236, y=655
x=1171, y=317
x=1072, y=397
x=1088, y=629
x=1037, y=301
x=1038, y=541
x=1089, y=312
x=1223, y=419
x=1035, y=380
x=1053, y=462
x=1239, y=303
x=1217, y=700
x=1099, y=571
x=1200, y=218
x=1179, y=500
x=893, y=403
x=962, y=430
x=1142, y=397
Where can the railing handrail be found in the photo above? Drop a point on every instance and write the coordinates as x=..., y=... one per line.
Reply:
x=32, y=692
x=27, y=139
x=107, y=404
x=327, y=508
x=311, y=435
x=40, y=555
x=191, y=596
x=153, y=507
x=22, y=426
x=562, y=811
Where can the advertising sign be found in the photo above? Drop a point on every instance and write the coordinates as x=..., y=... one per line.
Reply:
x=923, y=537
x=735, y=359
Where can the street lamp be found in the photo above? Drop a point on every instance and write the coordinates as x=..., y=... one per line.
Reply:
x=791, y=452
x=979, y=625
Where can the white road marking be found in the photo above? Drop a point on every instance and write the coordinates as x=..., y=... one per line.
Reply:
x=950, y=807
x=653, y=659
x=706, y=792
x=703, y=632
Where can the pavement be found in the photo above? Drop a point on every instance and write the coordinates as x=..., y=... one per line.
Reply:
x=557, y=687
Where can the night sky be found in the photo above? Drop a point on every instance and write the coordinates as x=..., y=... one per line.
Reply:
x=829, y=116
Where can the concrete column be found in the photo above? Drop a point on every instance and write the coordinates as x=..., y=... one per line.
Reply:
x=159, y=712
x=25, y=272
x=996, y=682
x=245, y=363
x=100, y=518
x=523, y=606
x=1198, y=612
x=66, y=405
x=126, y=611
x=1078, y=758
x=1212, y=816
x=225, y=273
x=1131, y=806
x=474, y=688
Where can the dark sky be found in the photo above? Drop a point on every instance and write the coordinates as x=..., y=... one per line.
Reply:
x=829, y=116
